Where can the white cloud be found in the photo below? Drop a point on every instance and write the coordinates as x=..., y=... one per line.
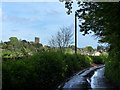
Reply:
x=17, y=19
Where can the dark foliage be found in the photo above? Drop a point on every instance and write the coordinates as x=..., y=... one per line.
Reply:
x=45, y=70
x=103, y=18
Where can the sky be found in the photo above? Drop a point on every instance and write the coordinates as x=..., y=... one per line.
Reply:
x=27, y=20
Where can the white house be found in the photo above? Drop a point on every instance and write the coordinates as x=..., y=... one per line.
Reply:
x=96, y=54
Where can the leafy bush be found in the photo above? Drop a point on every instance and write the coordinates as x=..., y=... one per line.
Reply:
x=17, y=53
x=68, y=51
x=112, y=68
x=98, y=59
x=45, y=70
x=7, y=52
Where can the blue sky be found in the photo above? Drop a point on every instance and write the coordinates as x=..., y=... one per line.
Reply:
x=26, y=20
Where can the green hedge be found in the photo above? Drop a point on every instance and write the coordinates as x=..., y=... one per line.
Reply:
x=112, y=68
x=45, y=70
x=98, y=59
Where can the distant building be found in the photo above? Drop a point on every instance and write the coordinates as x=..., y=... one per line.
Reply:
x=36, y=39
x=96, y=53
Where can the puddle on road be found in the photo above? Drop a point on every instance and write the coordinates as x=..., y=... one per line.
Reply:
x=80, y=80
x=91, y=78
x=98, y=80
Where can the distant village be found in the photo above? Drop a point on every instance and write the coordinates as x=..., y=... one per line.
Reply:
x=94, y=53
x=85, y=51
x=82, y=51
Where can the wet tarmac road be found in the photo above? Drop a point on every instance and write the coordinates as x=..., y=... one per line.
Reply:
x=98, y=80
x=89, y=78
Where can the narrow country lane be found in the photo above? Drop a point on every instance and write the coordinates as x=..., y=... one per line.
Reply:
x=98, y=80
x=89, y=78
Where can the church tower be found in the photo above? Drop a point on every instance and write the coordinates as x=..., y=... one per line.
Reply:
x=36, y=39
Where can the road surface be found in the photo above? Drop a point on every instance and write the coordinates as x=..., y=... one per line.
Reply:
x=89, y=78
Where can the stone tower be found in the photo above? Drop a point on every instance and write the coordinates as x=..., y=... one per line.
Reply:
x=36, y=39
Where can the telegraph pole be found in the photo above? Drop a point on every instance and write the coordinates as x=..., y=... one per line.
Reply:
x=75, y=33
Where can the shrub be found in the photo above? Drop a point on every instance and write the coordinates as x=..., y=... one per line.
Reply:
x=24, y=51
x=98, y=59
x=112, y=68
x=67, y=50
x=45, y=70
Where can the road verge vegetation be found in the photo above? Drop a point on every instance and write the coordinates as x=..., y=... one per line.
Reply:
x=112, y=68
x=45, y=70
x=98, y=59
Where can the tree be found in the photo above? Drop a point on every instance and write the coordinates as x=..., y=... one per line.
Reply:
x=89, y=49
x=47, y=48
x=24, y=41
x=14, y=41
x=10, y=47
x=100, y=48
x=24, y=51
x=72, y=47
x=32, y=48
x=31, y=43
x=63, y=38
x=4, y=46
x=103, y=19
x=15, y=44
x=52, y=42
x=94, y=17
x=37, y=46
